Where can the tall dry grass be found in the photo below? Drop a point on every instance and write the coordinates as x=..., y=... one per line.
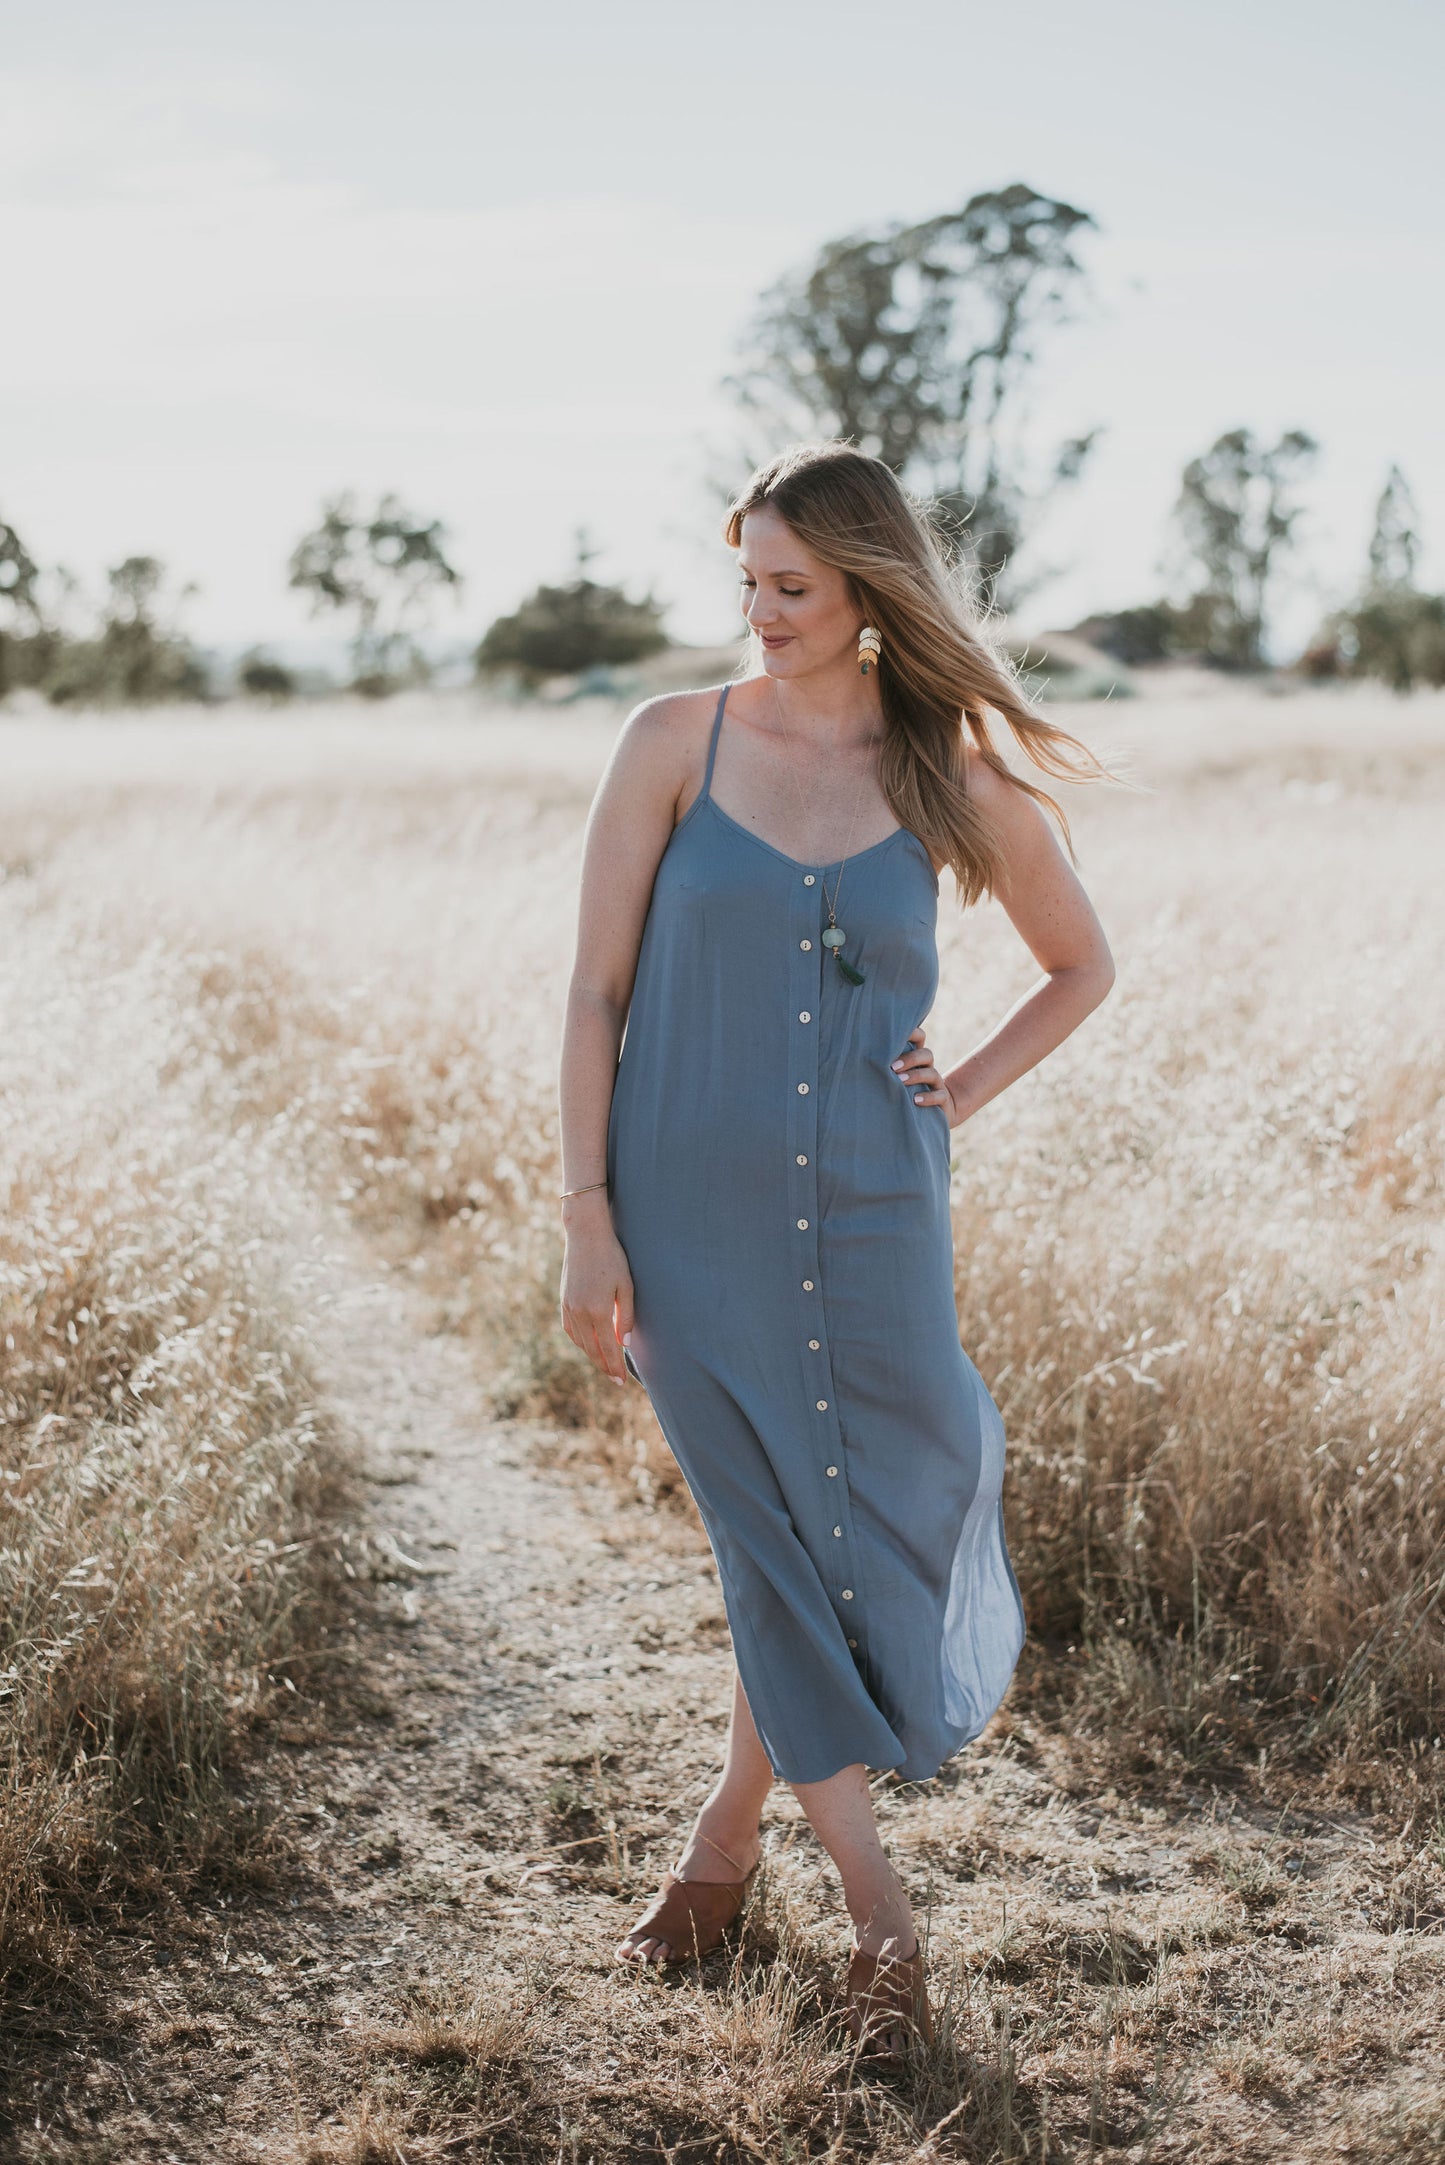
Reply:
x=167, y=1487
x=1199, y=1252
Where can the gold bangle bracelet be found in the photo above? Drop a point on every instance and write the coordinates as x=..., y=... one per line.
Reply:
x=581, y=1191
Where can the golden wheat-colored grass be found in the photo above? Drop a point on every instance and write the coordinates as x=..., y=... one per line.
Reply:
x=260, y=972
x=165, y=1479
x=1199, y=1252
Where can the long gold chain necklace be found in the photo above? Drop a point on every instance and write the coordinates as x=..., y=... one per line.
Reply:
x=834, y=937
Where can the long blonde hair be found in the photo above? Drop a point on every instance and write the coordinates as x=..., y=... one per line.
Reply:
x=938, y=671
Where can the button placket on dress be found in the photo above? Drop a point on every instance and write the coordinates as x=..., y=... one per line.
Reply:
x=821, y=1400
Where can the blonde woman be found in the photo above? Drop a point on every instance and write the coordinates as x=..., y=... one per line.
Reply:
x=757, y=1176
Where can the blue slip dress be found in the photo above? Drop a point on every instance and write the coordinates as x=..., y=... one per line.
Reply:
x=784, y=1207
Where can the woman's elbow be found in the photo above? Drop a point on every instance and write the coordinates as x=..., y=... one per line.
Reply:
x=1091, y=977
x=589, y=995
x=1102, y=977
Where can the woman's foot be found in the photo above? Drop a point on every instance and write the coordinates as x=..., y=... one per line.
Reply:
x=695, y=1922
x=888, y=1999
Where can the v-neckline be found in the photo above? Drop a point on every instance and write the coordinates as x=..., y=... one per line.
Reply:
x=803, y=864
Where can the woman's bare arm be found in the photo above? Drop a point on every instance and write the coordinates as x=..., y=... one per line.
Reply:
x=632, y=816
x=1047, y=905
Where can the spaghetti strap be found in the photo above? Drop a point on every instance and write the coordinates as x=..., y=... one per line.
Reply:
x=712, y=742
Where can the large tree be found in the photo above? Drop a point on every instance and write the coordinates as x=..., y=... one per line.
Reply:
x=382, y=567
x=917, y=342
x=19, y=573
x=1237, y=512
x=564, y=630
x=20, y=622
x=137, y=655
x=1393, y=631
x=1395, y=542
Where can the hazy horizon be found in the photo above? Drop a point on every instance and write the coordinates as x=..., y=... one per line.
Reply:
x=500, y=267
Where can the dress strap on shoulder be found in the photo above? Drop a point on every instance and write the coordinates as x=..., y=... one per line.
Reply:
x=712, y=741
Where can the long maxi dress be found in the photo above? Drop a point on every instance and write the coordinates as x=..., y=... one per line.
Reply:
x=784, y=1207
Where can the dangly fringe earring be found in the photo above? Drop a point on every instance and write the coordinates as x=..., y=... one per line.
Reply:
x=870, y=646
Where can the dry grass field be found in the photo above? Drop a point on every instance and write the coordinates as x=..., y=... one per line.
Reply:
x=361, y=1662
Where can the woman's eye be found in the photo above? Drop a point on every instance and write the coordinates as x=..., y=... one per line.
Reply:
x=792, y=592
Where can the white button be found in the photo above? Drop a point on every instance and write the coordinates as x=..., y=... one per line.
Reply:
x=847, y=1593
x=853, y=1642
x=807, y=946
x=832, y=1473
x=802, y=1090
x=805, y=1016
x=807, y=879
x=837, y=1533
x=822, y=1405
x=801, y=1159
x=802, y=1225
x=807, y=1285
x=815, y=1345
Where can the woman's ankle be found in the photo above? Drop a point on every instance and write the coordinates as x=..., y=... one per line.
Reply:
x=883, y=1920
x=721, y=1845
x=901, y=1946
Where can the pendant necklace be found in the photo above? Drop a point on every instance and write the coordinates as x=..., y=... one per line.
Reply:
x=835, y=937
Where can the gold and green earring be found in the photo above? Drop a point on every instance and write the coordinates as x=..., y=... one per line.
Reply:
x=870, y=646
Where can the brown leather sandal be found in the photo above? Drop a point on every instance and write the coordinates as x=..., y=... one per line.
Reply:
x=887, y=1993
x=690, y=1915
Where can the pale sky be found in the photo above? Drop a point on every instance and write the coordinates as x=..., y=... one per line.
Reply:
x=498, y=260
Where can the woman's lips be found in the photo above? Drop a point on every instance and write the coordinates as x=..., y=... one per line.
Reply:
x=783, y=640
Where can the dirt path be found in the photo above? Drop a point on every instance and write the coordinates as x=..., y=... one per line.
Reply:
x=505, y=1689
x=541, y=1708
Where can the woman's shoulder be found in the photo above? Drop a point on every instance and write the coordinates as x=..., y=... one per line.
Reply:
x=674, y=726
x=1000, y=799
x=984, y=783
x=667, y=736
x=673, y=712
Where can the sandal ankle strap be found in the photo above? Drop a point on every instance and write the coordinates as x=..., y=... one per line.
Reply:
x=677, y=1872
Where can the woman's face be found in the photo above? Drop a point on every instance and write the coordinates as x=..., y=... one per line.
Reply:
x=799, y=608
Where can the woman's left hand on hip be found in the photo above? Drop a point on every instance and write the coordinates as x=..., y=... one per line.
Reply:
x=916, y=1066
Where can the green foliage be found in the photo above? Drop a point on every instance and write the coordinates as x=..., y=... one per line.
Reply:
x=1398, y=638
x=136, y=656
x=1237, y=514
x=19, y=612
x=563, y=630
x=916, y=342
x=1393, y=632
x=261, y=677
x=1147, y=633
x=1159, y=631
x=1395, y=543
x=383, y=567
x=18, y=575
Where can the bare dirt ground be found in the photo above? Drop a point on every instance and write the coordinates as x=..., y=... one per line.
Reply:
x=536, y=1708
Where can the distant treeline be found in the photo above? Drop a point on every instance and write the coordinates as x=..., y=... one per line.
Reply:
x=378, y=570
x=918, y=343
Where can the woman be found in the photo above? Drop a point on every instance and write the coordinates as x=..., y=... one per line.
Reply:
x=757, y=1192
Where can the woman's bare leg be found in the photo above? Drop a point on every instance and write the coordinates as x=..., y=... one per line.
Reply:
x=840, y=1812
x=729, y=1819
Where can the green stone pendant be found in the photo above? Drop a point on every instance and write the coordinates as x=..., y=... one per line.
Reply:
x=833, y=938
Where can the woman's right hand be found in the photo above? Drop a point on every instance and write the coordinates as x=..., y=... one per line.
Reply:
x=597, y=1290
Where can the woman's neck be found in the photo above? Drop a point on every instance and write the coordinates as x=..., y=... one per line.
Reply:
x=832, y=707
